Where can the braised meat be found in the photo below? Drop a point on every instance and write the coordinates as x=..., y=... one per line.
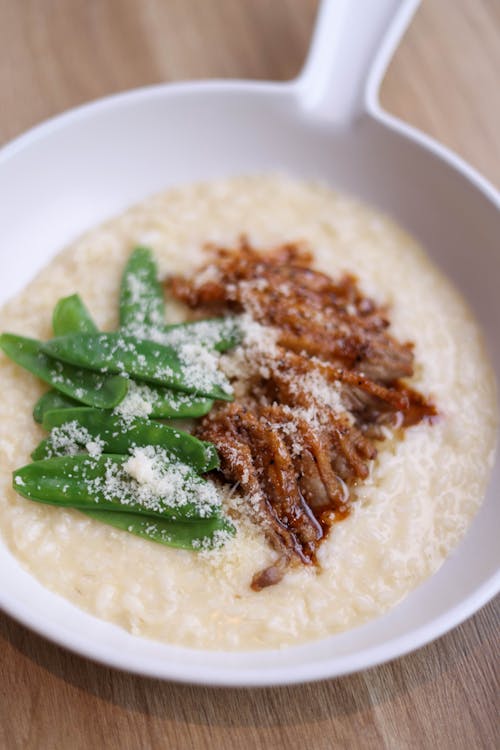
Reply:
x=319, y=383
x=314, y=314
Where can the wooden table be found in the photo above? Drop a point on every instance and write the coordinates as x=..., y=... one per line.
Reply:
x=55, y=54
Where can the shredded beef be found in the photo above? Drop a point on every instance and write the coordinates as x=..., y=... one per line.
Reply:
x=294, y=454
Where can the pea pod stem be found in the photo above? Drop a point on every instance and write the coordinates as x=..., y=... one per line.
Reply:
x=90, y=388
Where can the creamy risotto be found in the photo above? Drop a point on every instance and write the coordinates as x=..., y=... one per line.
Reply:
x=408, y=515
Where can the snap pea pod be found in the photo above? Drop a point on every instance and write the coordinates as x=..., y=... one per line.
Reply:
x=167, y=404
x=71, y=316
x=102, y=483
x=141, y=359
x=47, y=448
x=194, y=535
x=89, y=388
x=220, y=334
x=141, y=295
x=117, y=435
x=51, y=400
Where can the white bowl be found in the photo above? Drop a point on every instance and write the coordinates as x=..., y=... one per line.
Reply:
x=78, y=169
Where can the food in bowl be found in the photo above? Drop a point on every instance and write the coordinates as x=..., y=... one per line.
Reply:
x=405, y=513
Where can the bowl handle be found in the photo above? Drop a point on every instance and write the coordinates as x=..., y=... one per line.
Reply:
x=352, y=45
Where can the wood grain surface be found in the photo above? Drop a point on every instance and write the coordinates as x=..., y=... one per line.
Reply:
x=55, y=54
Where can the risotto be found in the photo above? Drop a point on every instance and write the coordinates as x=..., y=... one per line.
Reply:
x=421, y=493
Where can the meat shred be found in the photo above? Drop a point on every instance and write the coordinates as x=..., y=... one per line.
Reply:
x=314, y=403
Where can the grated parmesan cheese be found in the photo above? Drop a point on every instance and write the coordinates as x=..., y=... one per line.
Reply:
x=255, y=356
x=70, y=438
x=157, y=476
x=138, y=287
x=138, y=402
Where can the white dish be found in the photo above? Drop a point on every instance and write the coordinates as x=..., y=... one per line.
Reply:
x=70, y=173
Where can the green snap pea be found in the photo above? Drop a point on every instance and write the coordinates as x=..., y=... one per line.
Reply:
x=194, y=535
x=141, y=359
x=71, y=316
x=51, y=400
x=89, y=388
x=220, y=334
x=167, y=404
x=102, y=483
x=141, y=295
x=47, y=448
x=117, y=435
